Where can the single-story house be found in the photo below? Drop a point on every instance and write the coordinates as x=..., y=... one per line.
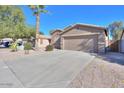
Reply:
x=43, y=41
x=81, y=37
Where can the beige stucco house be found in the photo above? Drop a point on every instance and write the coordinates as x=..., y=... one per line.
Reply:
x=81, y=37
x=43, y=41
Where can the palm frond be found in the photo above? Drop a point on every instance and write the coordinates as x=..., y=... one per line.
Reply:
x=32, y=6
x=36, y=13
x=43, y=11
x=42, y=6
x=37, y=9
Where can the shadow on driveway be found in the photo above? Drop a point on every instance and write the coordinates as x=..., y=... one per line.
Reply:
x=113, y=57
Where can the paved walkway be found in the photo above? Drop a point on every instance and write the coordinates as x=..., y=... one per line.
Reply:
x=46, y=69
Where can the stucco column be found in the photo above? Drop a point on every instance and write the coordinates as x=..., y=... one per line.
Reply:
x=39, y=43
x=62, y=43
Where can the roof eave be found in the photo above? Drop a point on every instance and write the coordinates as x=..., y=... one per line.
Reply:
x=88, y=25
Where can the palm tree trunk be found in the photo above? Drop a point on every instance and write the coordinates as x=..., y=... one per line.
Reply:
x=37, y=30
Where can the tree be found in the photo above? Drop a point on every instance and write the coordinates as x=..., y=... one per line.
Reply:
x=12, y=24
x=37, y=10
x=11, y=21
x=29, y=32
x=115, y=30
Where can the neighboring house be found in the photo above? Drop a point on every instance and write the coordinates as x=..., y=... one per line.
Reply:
x=122, y=43
x=55, y=38
x=43, y=41
x=83, y=37
x=117, y=45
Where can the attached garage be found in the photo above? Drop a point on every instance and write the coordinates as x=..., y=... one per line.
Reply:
x=86, y=42
x=83, y=37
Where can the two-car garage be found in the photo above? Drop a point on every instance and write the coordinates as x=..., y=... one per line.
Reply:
x=83, y=37
x=86, y=42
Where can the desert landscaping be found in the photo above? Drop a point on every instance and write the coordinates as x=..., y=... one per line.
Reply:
x=100, y=73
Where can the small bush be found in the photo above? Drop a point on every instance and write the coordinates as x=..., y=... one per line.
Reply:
x=49, y=48
x=13, y=47
x=27, y=46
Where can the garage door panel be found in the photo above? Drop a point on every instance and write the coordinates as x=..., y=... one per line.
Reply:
x=86, y=44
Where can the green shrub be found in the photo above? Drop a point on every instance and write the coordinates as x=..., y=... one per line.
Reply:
x=13, y=47
x=27, y=46
x=49, y=48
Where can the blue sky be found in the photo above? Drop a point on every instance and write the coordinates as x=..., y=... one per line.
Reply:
x=61, y=16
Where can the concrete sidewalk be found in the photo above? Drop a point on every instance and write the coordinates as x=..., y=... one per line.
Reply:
x=48, y=69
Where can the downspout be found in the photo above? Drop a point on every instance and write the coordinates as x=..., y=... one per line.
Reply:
x=106, y=40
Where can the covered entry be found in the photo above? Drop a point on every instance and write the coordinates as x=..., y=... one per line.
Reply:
x=86, y=43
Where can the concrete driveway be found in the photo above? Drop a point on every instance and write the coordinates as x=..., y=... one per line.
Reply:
x=47, y=69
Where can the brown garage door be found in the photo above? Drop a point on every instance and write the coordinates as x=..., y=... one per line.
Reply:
x=81, y=43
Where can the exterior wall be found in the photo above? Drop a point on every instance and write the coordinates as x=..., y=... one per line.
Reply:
x=101, y=41
x=55, y=39
x=83, y=30
x=43, y=42
x=122, y=44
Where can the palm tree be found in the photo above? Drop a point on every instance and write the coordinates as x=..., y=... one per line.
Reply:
x=37, y=10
